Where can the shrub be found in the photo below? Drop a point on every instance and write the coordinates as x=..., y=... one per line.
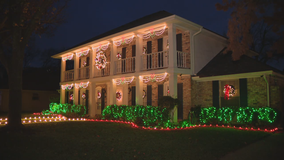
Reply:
x=66, y=109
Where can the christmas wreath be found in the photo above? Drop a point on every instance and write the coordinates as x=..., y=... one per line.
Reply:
x=99, y=95
x=229, y=91
x=144, y=94
x=118, y=95
x=84, y=96
x=100, y=60
x=118, y=56
x=71, y=97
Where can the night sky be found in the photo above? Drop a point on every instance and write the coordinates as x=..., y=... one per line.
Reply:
x=88, y=18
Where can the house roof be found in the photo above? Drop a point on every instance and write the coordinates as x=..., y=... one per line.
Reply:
x=135, y=23
x=36, y=79
x=222, y=64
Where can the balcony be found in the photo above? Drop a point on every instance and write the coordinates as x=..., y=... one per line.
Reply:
x=124, y=66
x=69, y=75
x=183, y=60
x=84, y=73
x=156, y=60
x=102, y=72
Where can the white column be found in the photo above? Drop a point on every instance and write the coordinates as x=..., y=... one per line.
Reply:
x=75, y=95
x=112, y=58
x=62, y=95
x=139, y=90
x=63, y=69
x=112, y=96
x=92, y=99
x=139, y=49
x=76, y=66
x=173, y=84
x=91, y=63
x=172, y=46
x=108, y=93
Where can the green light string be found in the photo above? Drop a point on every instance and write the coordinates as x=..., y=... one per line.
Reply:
x=55, y=108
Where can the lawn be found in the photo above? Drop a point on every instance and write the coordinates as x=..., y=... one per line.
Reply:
x=103, y=140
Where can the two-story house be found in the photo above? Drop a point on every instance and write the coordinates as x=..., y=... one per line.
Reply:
x=139, y=62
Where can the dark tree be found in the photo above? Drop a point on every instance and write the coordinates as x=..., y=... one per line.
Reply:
x=19, y=21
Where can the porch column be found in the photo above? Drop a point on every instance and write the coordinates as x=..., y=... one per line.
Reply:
x=75, y=95
x=139, y=90
x=112, y=96
x=112, y=59
x=91, y=63
x=62, y=95
x=63, y=69
x=172, y=46
x=92, y=99
x=76, y=67
x=139, y=48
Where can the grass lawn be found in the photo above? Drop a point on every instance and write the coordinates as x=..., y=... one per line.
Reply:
x=103, y=140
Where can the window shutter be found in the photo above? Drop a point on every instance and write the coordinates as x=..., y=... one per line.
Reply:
x=243, y=93
x=123, y=56
x=215, y=88
x=80, y=62
x=149, y=47
x=160, y=44
x=133, y=98
x=179, y=42
x=149, y=95
x=67, y=97
x=180, y=99
x=160, y=92
x=133, y=50
x=87, y=101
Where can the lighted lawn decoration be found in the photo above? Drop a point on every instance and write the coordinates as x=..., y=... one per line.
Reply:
x=118, y=95
x=55, y=108
x=229, y=91
x=100, y=60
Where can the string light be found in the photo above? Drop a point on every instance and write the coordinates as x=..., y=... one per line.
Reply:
x=82, y=85
x=124, y=80
x=154, y=78
x=68, y=57
x=123, y=41
x=67, y=86
x=83, y=53
x=101, y=47
x=153, y=34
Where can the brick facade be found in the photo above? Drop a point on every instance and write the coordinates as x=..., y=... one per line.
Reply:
x=202, y=94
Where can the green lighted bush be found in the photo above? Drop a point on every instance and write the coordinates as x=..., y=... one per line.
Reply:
x=140, y=115
x=55, y=108
x=242, y=115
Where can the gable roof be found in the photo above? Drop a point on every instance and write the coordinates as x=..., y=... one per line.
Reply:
x=135, y=23
x=222, y=64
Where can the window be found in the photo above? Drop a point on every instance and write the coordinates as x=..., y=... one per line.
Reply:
x=35, y=96
x=133, y=50
x=160, y=44
x=149, y=47
x=233, y=100
x=179, y=42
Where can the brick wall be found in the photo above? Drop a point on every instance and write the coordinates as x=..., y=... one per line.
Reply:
x=257, y=92
x=202, y=93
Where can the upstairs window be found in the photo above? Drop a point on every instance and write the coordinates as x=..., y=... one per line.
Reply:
x=179, y=42
x=133, y=50
x=123, y=56
x=160, y=44
x=149, y=47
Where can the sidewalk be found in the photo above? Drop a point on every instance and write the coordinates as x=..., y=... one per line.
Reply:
x=271, y=147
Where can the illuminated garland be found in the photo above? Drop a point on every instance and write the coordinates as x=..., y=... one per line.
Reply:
x=83, y=96
x=83, y=53
x=123, y=41
x=124, y=80
x=68, y=57
x=229, y=91
x=101, y=47
x=144, y=94
x=154, y=78
x=153, y=33
x=82, y=85
x=118, y=56
x=118, y=95
x=100, y=60
x=67, y=86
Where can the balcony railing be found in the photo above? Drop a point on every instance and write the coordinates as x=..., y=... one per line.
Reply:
x=84, y=73
x=124, y=65
x=183, y=60
x=69, y=75
x=102, y=72
x=156, y=60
